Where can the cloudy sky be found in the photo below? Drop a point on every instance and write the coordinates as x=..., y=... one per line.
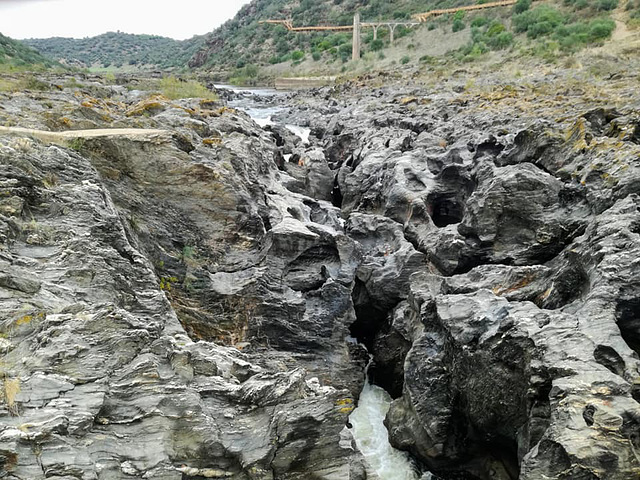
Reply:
x=178, y=19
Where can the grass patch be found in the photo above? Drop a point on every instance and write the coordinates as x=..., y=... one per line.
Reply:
x=22, y=83
x=174, y=89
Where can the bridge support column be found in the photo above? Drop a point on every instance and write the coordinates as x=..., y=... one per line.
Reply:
x=392, y=29
x=375, y=32
x=356, y=37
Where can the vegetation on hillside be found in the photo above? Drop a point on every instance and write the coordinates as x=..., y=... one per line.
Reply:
x=16, y=56
x=546, y=29
x=243, y=40
x=116, y=50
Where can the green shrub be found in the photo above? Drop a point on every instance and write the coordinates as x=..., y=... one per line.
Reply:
x=607, y=5
x=502, y=41
x=297, y=55
x=251, y=71
x=345, y=48
x=404, y=60
x=377, y=45
x=493, y=36
x=459, y=15
x=495, y=29
x=540, y=21
x=574, y=36
x=601, y=28
x=458, y=25
x=479, y=22
x=316, y=56
x=521, y=6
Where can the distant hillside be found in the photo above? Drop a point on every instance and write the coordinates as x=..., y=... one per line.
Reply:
x=116, y=49
x=16, y=54
x=244, y=40
x=542, y=28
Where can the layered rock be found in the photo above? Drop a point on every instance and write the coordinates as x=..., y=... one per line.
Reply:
x=180, y=309
x=170, y=310
x=524, y=363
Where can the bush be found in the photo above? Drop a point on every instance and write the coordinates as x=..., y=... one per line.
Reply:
x=540, y=21
x=377, y=45
x=574, y=36
x=457, y=25
x=297, y=55
x=502, y=41
x=521, y=6
x=404, y=60
x=601, y=28
x=495, y=29
x=316, y=56
x=479, y=22
x=345, y=49
x=459, y=15
x=607, y=5
x=493, y=36
x=251, y=71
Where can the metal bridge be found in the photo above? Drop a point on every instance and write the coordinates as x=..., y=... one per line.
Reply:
x=358, y=25
x=423, y=17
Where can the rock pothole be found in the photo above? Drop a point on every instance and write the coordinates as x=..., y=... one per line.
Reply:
x=628, y=319
x=446, y=211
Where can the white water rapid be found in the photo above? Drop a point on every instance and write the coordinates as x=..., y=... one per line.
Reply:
x=372, y=437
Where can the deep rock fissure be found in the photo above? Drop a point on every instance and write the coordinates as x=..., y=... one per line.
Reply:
x=628, y=319
x=388, y=349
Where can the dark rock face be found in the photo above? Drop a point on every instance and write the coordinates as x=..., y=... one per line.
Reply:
x=513, y=343
x=170, y=314
x=181, y=309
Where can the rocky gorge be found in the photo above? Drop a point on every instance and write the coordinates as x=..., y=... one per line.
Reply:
x=183, y=306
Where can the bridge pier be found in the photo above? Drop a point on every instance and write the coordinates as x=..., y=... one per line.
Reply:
x=356, y=37
x=392, y=29
x=375, y=32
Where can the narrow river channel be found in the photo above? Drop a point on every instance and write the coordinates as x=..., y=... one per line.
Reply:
x=367, y=419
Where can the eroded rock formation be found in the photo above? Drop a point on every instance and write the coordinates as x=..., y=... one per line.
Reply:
x=181, y=308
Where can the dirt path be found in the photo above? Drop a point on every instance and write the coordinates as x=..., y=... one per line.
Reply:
x=64, y=138
x=622, y=31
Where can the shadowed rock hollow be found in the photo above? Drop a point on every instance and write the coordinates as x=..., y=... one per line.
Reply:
x=180, y=308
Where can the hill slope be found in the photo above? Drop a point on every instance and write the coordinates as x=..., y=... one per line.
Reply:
x=544, y=28
x=16, y=54
x=244, y=40
x=119, y=49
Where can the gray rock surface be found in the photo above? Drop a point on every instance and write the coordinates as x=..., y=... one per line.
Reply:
x=172, y=312
x=180, y=308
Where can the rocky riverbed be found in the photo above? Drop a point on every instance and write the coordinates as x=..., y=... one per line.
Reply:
x=182, y=307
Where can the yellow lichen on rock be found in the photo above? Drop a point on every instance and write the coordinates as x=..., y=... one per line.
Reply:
x=212, y=141
x=10, y=392
x=148, y=105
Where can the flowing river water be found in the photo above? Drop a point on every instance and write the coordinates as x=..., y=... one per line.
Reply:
x=367, y=420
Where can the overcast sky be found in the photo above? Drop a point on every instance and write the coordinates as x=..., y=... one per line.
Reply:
x=178, y=19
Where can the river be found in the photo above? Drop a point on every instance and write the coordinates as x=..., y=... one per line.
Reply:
x=367, y=419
